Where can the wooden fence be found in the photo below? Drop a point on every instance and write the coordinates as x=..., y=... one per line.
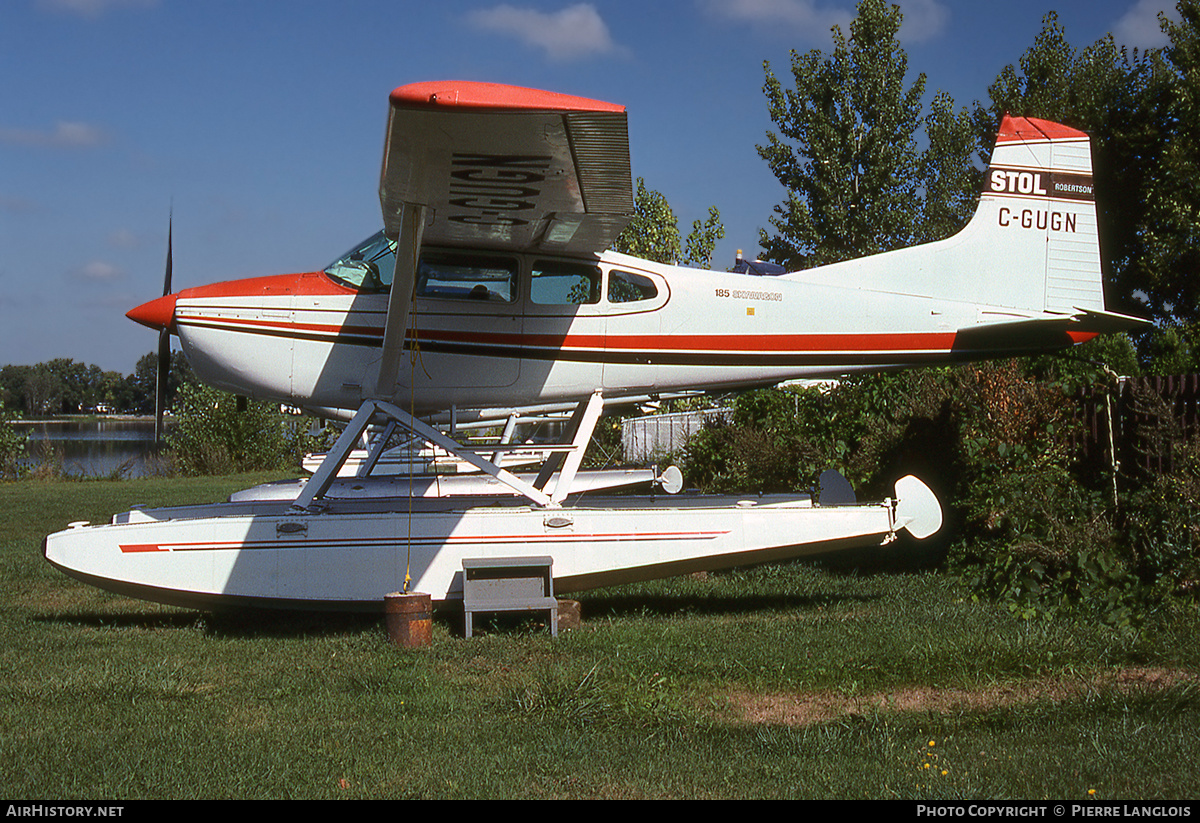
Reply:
x=1150, y=416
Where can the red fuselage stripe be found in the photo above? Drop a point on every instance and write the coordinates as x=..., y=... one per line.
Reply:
x=367, y=542
x=690, y=343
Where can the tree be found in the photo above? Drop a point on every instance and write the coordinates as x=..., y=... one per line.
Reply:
x=1172, y=237
x=702, y=241
x=948, y=169
x=846, y=150
x=144, y=379
x=653, y=233
x=12, y=447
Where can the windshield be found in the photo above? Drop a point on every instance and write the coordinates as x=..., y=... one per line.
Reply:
x=369, y=266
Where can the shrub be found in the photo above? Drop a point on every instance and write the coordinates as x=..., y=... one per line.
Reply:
x=997, y=443
x=1159, y=514
x=12, y=447
x=217, y=433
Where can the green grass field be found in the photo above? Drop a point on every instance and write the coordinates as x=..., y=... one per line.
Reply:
x=782, y=681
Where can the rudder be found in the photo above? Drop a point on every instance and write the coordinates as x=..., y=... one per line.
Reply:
x=1038, y=213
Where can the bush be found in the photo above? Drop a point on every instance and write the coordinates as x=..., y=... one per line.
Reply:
x=1030, y=526
x=872, y=429
x=12, y=448
x=217, y=433
x=1160, y=513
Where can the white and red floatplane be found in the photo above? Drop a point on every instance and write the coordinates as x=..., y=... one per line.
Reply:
x=490, y=291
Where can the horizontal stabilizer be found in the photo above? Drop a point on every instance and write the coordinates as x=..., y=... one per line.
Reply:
x=1107, y=322
x=1047, y=332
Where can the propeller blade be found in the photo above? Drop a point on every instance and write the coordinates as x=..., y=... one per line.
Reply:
x=164, y=347
x=167, y=278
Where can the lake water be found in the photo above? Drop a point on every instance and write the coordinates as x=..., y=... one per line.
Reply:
x=93, y=447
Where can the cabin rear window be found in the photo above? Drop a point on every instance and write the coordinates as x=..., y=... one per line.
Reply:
x=558, y=283
x=627, y=287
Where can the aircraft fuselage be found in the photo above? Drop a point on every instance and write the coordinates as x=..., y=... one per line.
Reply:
x=520, y=330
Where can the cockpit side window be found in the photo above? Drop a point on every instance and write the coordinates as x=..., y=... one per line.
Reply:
x=467, y=277
x=369, y=266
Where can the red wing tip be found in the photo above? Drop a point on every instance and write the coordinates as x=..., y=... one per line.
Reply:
x=473, y=95
x=1031, y=129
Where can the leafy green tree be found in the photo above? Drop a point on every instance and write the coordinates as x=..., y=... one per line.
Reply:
x=12, y=385
x=43, y=391
x=653, y=233
x=1169, y=262
x=846, y=150
x=702, y=241
x=145, y=379
x=949, y=174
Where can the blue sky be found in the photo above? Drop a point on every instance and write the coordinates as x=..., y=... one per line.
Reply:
x=260, y=124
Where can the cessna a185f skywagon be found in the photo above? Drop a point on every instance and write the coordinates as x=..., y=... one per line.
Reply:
x=489, y=291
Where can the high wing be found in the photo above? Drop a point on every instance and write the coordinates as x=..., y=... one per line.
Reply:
x=492, y=166
x=505, y=167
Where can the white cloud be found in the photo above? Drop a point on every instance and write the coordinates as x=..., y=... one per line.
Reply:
x=923, y=20
x=125, y=239
x=813, y=20
x=802, y=17
x=1139, y=28
x=575, y=32
x=93, y=8
x=97, y=271
x=64, y=135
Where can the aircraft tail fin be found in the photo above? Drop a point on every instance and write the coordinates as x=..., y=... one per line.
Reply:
x=1032, y=246
x=1037, y=219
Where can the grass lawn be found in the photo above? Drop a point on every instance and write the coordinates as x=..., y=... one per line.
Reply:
x=783, y=681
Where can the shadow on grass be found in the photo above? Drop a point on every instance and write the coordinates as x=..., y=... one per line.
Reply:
x=653, y=599
x=248, y=623
x=663, y=605
x=121, y=619
x=232, y=623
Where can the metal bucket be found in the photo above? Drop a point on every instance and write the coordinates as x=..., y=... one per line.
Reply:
x=409, y=619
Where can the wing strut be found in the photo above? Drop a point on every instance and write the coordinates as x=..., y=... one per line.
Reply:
x=408, y=252
x=327, y=472
x=583, y=423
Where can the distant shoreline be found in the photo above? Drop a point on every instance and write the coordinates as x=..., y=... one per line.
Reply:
x=83, y=418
